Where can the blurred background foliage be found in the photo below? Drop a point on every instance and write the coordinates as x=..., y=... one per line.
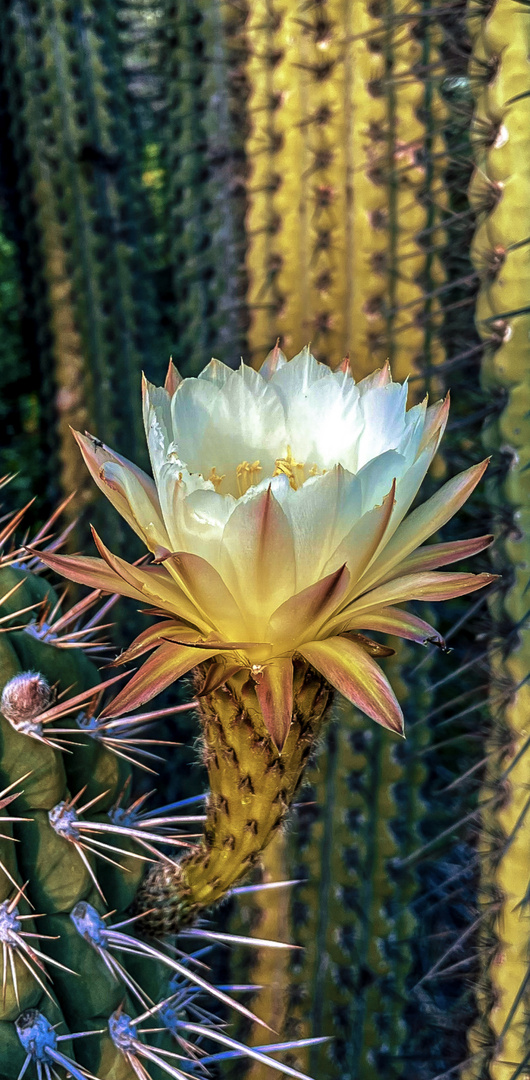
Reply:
x=198, y=177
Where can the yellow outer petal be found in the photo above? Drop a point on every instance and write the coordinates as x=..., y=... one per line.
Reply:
x=351, y=671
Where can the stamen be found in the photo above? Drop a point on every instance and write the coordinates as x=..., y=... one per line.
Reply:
x=215, y=479
x=247, y=475
x=293, y=470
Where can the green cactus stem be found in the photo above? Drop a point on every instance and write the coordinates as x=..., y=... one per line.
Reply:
x=44, y=870
x=204, y=169
x=77, y=194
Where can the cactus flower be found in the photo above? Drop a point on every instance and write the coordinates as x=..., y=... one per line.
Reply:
x=278, y=521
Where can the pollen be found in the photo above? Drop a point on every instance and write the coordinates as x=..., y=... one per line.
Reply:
x=247, y=474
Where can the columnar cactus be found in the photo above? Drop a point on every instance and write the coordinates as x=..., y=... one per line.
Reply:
x=501, y=133
x=71, y=148
x=345, y=172
x=201, y=48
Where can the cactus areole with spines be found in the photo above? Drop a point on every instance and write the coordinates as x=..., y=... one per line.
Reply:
x=278, y=523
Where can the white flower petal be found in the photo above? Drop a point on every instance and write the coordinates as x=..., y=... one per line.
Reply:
x=381, y=377
x=321, y=513
x=292, y=381
x=143, y=506
x=202, y=519
x=192, y=407
x=258, y=435
x=377, y=475
x=323, y=424
x=258, y=558
x=156, y=408
x=174, y=484
x=383, y=413
x=216, y=372
x=275, y=360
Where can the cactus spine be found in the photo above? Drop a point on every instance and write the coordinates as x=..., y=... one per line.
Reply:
x=499, y=71
x=57, y=877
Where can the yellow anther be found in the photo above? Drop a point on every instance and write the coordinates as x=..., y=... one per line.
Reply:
x=247, y=474
x=215, y=479
x=293, y=470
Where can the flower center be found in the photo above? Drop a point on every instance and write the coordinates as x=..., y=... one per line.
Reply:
x=250, y=473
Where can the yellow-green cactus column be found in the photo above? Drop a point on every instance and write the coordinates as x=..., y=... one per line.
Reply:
x=252, y=786
x=499, y=1043
x=345, y=161
x=416, y=160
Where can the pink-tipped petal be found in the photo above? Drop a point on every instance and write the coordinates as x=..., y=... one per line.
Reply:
x=373, y=648
x=207, y=590
x=351, y=671
x=380, y=377
x=359, y=545
x=163, y=667
x=274, y=689
x=154, y=583
x=344, y=367
x=173, y=379
x=432, y=556
x=432, y=585
x=435, y=421
x=423, y=522
x=88, y=571
x=305, y=612
x=258, y=555
x=391, y=620
x=274, y=360
x=130, y=490
x=153, y=636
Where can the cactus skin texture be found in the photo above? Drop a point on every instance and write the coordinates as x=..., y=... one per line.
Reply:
x=204, y=168
x=72, y=158
x=499, y=1041
x=340, y=125
x=251, y=790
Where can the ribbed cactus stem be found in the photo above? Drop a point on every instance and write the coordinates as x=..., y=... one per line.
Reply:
x=78, y=191
x=252, y=787
x=51, y=871
x=346, y=165
x=202, y=151
x=352, y=914
x=410, y=172
x=499, y=1042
